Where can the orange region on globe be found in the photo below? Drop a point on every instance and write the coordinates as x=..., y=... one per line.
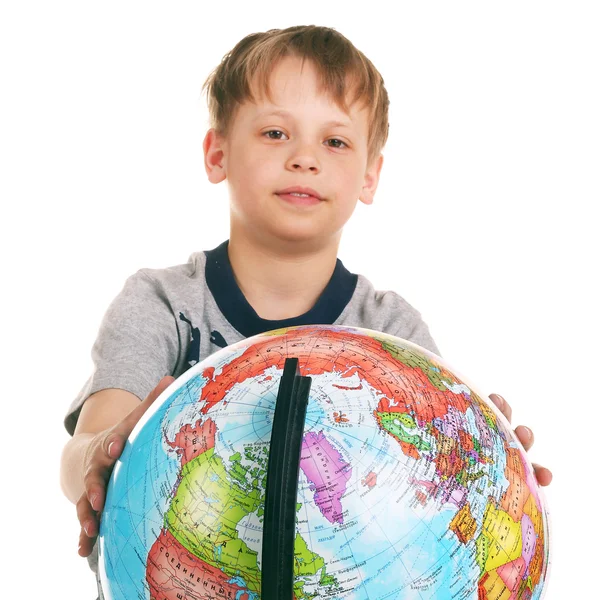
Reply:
x=516, y=495
x=538, y=564
x=340, y=417
x=445, y=443
x=463, y=524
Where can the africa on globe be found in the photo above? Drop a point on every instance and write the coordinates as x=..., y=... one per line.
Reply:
x=406, y=483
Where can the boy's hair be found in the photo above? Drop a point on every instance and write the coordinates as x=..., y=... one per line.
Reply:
x=341, y=69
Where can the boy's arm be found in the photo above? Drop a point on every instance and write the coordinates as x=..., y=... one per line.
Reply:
x=101, y=411
x=136, y=345
x=106, y=420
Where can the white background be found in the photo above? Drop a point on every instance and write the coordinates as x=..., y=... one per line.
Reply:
x=486, y=219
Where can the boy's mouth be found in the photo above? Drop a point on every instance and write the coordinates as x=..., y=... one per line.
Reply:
x=300, y=195
x=300, y=200
x=299, y=192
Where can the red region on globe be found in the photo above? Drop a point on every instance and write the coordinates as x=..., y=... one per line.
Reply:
x=347, y=387
x=173, y=573
x=405, y=389
x=192, y=440
x=466, y=441
x=370, y=480
x=415, y=395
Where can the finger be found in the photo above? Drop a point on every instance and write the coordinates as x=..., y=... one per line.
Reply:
x=86, y=544
x=87, y=517
x=525, y=436
x=125, y=427
x=94, y=483
x=542, y=474
x=503, y=405
x=99, y=464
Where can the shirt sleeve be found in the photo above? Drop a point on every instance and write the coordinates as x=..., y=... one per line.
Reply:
x=420, y=335
x=137, y=343
x=394, y=315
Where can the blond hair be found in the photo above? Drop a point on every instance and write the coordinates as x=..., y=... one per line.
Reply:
x=341, y=69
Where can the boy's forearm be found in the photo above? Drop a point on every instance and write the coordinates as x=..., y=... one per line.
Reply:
x=71, y=465
x=101, y=411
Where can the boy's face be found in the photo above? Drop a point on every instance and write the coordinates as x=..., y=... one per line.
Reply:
x=266, y=153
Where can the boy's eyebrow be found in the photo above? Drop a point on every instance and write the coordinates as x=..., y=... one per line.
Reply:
x=285, y=113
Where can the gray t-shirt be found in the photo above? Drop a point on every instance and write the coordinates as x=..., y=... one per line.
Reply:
x=166, y=320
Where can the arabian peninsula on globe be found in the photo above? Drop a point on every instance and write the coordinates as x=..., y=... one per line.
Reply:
x=410, y=485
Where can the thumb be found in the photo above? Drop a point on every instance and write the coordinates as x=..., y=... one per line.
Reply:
x=125, y=427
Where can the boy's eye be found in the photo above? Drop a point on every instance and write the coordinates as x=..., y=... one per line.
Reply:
x=273, y=131
x=336, y=140
x=339, y=143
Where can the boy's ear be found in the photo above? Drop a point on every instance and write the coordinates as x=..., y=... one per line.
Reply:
x=214, y=155
x=371, y=181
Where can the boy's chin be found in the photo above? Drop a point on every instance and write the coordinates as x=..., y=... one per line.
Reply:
x=299, y=202
x=298, y=238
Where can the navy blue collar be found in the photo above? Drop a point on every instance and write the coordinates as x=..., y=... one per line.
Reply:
x=237, y=310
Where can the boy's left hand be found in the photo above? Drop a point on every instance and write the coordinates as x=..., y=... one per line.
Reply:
x=525, y=435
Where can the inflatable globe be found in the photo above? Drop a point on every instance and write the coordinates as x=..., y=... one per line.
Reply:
x=384, y=475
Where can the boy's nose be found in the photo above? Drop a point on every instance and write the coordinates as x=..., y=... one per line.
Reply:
x=304, y=163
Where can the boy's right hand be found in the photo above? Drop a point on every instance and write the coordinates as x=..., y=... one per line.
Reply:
x=102, y=452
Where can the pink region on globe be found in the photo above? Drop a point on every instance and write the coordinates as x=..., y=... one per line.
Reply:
x=528, y=538
x=512, y=574
x=457, y=496
x=452, y=423
x=327, y=472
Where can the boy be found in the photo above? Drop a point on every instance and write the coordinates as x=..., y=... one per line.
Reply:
x=299, y=119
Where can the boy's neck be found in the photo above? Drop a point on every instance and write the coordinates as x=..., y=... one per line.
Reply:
x=280, y=285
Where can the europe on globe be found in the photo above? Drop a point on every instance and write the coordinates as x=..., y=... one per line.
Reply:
x=356, y=463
